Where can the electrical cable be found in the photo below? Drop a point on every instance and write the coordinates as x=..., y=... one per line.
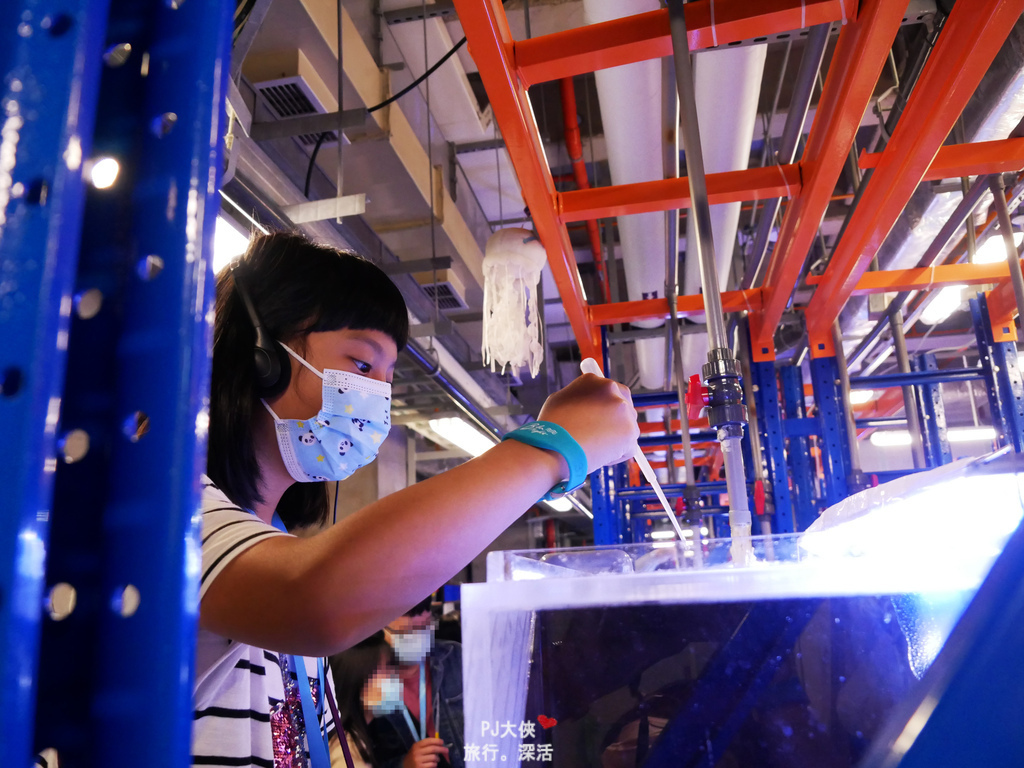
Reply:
x=419, y=79
x=400, y=94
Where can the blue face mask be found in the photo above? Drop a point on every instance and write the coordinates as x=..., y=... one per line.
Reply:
x=354, y=419
x=388, y=696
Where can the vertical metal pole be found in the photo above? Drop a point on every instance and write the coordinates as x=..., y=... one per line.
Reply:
x=1006, y=229
x=700, y=209
x=48, y=85
x=726, y=411
x=899, y=343
x=340, y=175
x=851, y=428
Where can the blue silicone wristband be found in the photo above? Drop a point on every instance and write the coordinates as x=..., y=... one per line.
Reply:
x=551, y=437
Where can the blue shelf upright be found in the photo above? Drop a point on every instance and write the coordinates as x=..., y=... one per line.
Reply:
x=932, y=415
x=834, y=447
x=769, y=422
x=1003, y=383
x=49, y=54
x=798, y=454
x=105, y=369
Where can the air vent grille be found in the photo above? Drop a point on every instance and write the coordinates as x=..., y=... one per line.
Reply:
x=446, y=296
x=288, y=100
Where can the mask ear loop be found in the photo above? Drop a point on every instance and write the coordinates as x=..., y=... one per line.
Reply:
x=294, y=354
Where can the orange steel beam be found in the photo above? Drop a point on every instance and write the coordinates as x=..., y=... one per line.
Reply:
x=966, y=47
x=860, y=53
x=924, y=278
x=646, y=35
x=670, y=194
x=978, y=159
x=490, y=40
x=657, y=309
x=916, y=279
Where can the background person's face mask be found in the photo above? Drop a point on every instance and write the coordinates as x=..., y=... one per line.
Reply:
x=354, y=419
x=412, y=646
x=385, y=695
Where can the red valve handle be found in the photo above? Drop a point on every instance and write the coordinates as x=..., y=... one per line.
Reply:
x=759, y=497
x=696, y=397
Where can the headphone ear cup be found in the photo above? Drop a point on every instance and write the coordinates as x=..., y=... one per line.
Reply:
x=272, y=366
x=284, y=369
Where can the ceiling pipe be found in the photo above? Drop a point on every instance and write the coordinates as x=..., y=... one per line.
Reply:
x=810, y=65
x=574, y=145
x=630, y=98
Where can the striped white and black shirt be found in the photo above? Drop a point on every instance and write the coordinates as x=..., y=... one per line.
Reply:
x=247, y=708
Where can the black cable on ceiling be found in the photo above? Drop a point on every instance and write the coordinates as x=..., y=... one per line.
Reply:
x=400, y=94
x=374, y=108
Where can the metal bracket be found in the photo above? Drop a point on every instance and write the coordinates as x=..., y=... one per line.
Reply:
x=417, y=265
x=322, y=210
x=440, y=327
x=437, y=9
x=308, y=124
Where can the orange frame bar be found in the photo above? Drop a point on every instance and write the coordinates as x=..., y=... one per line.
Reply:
x=979, y=159
x=646, y=35
x=925, y=278
x=491, y=43
x=966, y=47
x=860, y=53
x=670, y=194
x=657, y=309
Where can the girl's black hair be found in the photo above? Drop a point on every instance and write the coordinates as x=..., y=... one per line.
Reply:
x=351, y=669
x=297, y=287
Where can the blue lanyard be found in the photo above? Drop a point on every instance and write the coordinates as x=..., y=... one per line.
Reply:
x=319, y=756
x=423, y=700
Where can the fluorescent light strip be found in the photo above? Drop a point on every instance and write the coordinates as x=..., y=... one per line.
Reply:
x=458, y=432
x=897, y=437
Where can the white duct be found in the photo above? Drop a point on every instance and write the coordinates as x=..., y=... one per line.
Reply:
x=630, y=99
x=728, y=84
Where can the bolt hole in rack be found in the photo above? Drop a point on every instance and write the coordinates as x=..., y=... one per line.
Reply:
x=805, y=460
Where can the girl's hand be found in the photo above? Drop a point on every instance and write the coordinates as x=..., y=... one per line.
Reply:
x=599, y=414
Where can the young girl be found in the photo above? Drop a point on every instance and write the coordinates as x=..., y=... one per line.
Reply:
x=305, y=343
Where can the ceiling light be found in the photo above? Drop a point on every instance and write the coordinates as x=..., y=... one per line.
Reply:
x=103, y=172
x=890, y=438
x=663, y=534
x=228, y=243
x=945, y=303
x=971, y=434
x=861, y=396
x=458, y=432
x=560, y=505
x=993, y=250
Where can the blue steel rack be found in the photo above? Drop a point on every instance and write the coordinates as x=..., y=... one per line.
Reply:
x=111, y=684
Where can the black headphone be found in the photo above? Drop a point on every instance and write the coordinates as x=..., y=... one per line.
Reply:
x=270, y=360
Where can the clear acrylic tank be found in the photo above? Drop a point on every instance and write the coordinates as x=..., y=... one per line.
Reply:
x=668, y=655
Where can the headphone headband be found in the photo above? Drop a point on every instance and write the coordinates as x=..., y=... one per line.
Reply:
x=272, y=366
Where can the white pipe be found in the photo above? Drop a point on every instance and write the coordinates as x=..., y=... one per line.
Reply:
x=630, y=99
x=727, y=87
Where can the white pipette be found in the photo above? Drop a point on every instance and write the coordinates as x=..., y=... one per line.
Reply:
x=590, y=366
